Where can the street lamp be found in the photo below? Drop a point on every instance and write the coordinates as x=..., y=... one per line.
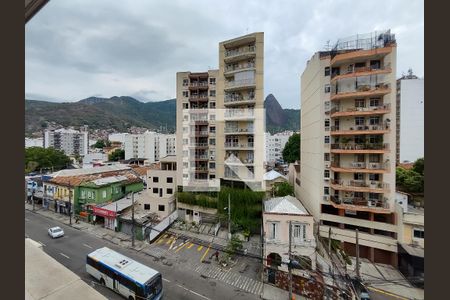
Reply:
x=229, y=217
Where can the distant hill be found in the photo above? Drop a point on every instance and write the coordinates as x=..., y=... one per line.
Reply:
x=279, y=119
x=118, y=113
x=121, y=113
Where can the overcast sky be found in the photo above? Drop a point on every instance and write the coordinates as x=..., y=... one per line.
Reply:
x=78, y=49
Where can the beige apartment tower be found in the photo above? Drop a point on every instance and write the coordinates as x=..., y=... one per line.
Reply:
x=348, y=144
x=220, y=119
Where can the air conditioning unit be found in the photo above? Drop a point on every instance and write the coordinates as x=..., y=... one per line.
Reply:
x=326, y=198
x=327, y=164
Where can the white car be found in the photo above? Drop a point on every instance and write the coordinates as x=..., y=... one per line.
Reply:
x=55, y=232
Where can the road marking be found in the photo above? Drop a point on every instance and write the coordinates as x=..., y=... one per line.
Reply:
x=190, y=246
x=173, y=242
x=195, y=293
x=179, y=248
x=87, y=246
x=166, y=280
x=41, y=243
x=169, y=241
x=206, y=252
x=387, y=293
x=64, y=255
x=199, y=248
x=160, y=238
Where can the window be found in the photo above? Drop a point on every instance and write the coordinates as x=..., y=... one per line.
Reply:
x=419, y=233
x=327, y=71
x=327, y=88
x=169, y=179
x=374, y=158
x=185, y=93
x=359, y=103
x=155, y=190
x=212, y=141
x=326, y=156
x=169, y=191
x=326, y=173
x=374, y=102
x=212, y=93
x=161, y=207
x=155, y=179
x=327, y=139
x=299, y=232
x=212, y=105
x=374, y=177
x=212, y=176
x=212, y=80
x=185, y=82
x=359, y=158
x=185, y=141
x=359, y=121
x=212, y=165
x=185, y=106
x=147, y=206
x=212, y=117
x=327, y=123
x=104, y=194
x=273, y=231
x=83, y=194
x=358, y=176
x=375, y=120
x=326, y=190
x=212, y=129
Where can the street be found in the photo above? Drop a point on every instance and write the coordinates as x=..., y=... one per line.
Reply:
x=71, y=250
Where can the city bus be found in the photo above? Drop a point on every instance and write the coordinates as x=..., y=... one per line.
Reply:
x=124, y=275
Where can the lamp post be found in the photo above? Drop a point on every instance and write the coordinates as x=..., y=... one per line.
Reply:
x=70, y=205
x=229, y=217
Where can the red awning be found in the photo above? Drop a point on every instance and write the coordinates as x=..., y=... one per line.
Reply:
x=98, y=211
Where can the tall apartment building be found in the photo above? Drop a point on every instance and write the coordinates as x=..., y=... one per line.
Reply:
x=410, y=118
x=348, y=144
x=149, y=145
x=275, y=144
x=72, y=142
x=220, y=118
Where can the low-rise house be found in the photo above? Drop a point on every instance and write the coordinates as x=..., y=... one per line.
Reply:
x=294, y=176
x=272, y=178
x=411, y=242
x=278, y=213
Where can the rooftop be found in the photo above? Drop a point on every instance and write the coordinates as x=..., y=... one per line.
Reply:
x=118, y=205
x=272, y=175
x=76, y=172
x=285, y=205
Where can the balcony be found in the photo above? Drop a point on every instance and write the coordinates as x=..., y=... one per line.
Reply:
x=360, y=186
x=360, y=130
x=199, y=133
x=233, y=160
x=199, y=157
x=238, y=131
x=198, y=98
x=360, y=148
x=362, y=71
x=360, y=111
x=361, y=204
x=239, y=84
x=238, y=100
x=230, y=69
x=240, y=53
x=199, y=145
x=203, y=85
x=236, y=113
x=239, y=146
x=200, y=169
x=362, y=91
x=360, y=167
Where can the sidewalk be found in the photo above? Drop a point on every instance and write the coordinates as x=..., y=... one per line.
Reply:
x=271, y=292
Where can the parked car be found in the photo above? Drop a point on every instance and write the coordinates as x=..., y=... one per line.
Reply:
x=361, y=289
x=55, y=232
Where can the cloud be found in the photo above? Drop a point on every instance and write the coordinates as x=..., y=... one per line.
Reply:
x=75, y=49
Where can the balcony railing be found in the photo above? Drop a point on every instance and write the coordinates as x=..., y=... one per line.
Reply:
x=361, y=184
x=361, y=201
x=200, y=133
x=361, y=165
x=360, y=146
x=198, y=84
x=198, y=144
x=236, y=112
x=360, y=128
x=239, y=67
x=240, y=51
x=237, y=98
x=237, y=145
x=361, y=109
x=356, y=70
x=199, y=156
x=199, y=168
x=198, y=98
x=361, y=88
x=239, y=83
x=239, y=130
x=236, y=160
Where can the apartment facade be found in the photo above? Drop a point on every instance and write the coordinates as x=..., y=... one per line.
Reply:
x=275, y=144
x=220, y=119
x=348, y=140
x=149, y=145
x=71, y=142
x=410, y=118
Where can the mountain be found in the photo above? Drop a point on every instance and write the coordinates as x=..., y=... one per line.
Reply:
x=118, y=113
x=279, y=119
x=121, y=113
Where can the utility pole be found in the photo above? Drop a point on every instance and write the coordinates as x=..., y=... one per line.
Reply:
x=32, y=196
x=229, y=217
x=132, y=219
x=290, y=259
x=70, y=206
x=357, y=256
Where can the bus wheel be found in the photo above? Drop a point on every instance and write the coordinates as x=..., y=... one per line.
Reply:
x=102, y=281
x=130, y=298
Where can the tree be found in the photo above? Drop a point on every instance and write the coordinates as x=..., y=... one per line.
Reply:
x=37, y=158
x=291, y=151
x=283, y=189
x=100, y=144
x=409, y=181
x=419, y=166
x=117, y=155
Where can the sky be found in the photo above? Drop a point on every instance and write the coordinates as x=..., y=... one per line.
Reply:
x=78, y=49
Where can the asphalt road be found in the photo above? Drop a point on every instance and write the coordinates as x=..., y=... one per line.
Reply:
x=71, y=251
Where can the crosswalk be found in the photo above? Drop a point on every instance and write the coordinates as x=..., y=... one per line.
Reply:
x=239, y=281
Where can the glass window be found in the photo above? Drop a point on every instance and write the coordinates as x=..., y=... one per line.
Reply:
x=147, y=206
x=327, y=71
x=299, y=232
x=359, y=121
x=359, y=103
x=185, y=93
x=161, y=207
x=375, y=102
x=104, y=194
x=212, y=93
x=155, y=190
x=169, y=191
x=327, y=88
x=185, y=82
x=155, y=179
x=327, y=139
x=326, y=173
x=326, y=190
x=212, y=80
x=419, y=233
x=273, y=231
x=326, y=156
x=169, y=179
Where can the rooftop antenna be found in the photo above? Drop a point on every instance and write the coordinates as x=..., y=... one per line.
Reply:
x=327, y=46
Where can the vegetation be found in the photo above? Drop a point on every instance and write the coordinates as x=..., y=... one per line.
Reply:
x=283, y=189
x=37, y=158
x=197, y=199
x=233, y=245
x=411, y=181
x=100, y=144
x=291, y=151
x=117, y=155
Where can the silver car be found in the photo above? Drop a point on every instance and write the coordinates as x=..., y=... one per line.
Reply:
x=55, y=232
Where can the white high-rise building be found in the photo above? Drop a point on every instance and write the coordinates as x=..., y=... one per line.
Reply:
x=410, y=118
x=275, y=144
x=149, y=145
x=72, y=142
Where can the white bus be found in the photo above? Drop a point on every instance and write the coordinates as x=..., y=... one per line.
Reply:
x=123, y=275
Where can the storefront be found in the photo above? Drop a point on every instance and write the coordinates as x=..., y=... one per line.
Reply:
x=109, y=216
